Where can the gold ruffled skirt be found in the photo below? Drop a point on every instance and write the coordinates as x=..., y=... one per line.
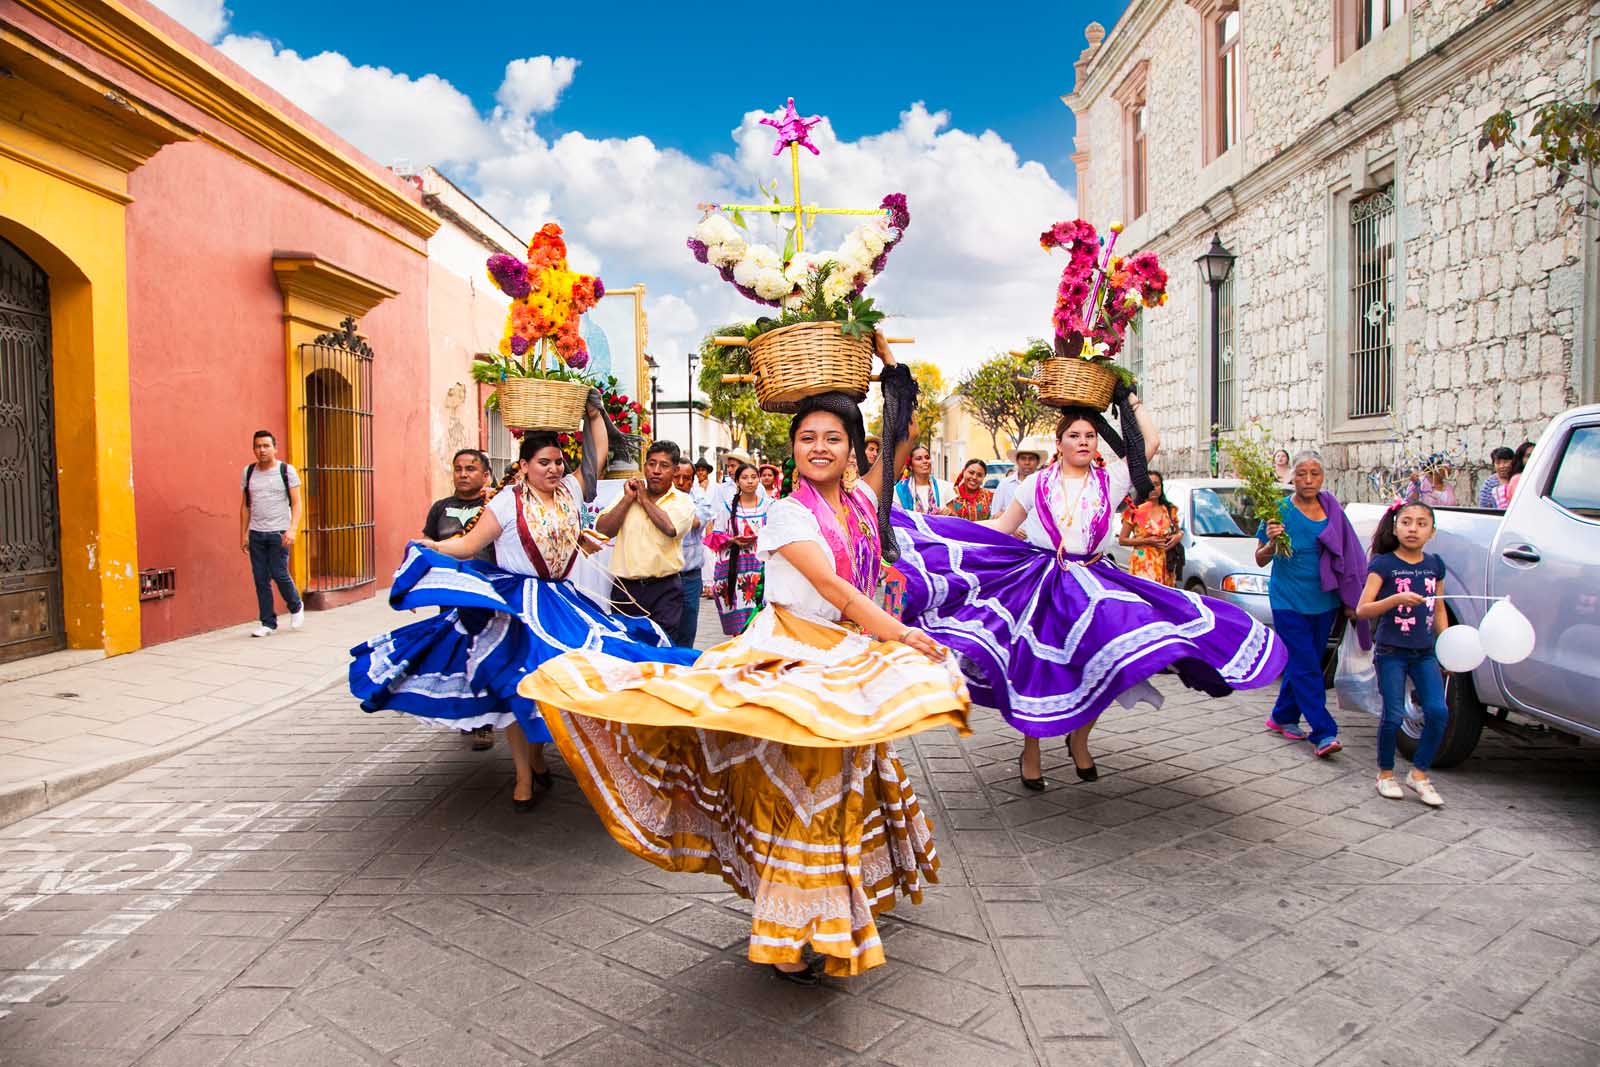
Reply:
x=769, y=762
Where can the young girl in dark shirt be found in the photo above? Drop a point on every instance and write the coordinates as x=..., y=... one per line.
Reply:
x=1402, y=584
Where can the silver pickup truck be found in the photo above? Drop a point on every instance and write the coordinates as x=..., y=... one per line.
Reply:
x=1544, y=552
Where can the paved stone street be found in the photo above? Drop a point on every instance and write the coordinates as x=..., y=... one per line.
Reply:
x=322, y=887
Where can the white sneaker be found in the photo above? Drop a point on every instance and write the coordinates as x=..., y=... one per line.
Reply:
x=297, y=619
x=1425, y=791
x=262, y=631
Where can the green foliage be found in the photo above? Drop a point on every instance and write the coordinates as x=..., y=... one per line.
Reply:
x=1039, y=350
x=735, y=403
x=1566, y=135
x=930, y=400
x=494, y=370
x=1000, y=403
x=1250, y=456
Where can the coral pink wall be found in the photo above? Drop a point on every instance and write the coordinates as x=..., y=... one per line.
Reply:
x=465, y=317
x=206, y=342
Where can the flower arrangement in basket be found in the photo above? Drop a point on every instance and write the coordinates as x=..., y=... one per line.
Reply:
x=626, y=415
x=821, y=340
x=1099, y=295
x=538, y=369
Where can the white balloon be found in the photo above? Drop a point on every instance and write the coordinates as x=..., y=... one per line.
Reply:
x=1506, y=633
x=1459, y=649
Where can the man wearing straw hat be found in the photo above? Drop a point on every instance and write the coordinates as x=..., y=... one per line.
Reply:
x=727, y=488
x=1027, y=456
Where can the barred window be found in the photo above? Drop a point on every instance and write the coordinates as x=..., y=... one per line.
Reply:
x=502, y=446
x=1227, y=378
x=1372, y=282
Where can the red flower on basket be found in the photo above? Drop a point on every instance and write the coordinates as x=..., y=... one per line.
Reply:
x=1099, y=294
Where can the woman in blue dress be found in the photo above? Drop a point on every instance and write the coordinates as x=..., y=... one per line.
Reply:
x=460, y=668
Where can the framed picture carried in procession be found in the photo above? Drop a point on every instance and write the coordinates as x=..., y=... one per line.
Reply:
x=617, y=333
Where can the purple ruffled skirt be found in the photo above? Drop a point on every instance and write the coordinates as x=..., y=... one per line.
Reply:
x=1051, y=646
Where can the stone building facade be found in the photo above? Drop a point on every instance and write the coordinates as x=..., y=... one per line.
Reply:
x=1383, y=288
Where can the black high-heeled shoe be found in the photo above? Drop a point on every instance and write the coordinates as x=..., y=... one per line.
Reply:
x=1035, y=784
x=807, y=977
x=1090, y=773
x=522, y=807
x=544, y=779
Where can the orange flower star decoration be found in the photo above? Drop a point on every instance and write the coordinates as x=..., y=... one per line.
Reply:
x=546, y=298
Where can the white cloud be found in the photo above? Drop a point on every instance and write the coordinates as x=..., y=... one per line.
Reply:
x=534, y=86
x=968, y=279
x=203, y=18
x=388, y=115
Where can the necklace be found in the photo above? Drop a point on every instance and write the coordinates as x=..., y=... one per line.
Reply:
x=1072, y=508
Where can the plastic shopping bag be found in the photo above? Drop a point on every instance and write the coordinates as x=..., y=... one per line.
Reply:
x=1355, y=679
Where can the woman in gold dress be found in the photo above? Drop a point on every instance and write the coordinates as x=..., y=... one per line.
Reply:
x=770, y=761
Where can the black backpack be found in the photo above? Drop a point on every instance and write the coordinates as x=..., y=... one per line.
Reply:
x=283, y=471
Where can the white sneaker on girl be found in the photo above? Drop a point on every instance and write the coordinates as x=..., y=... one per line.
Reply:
x=1425, y=790
x=1390, y=788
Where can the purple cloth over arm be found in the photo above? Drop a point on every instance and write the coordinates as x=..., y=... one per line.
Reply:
x=1343, y=562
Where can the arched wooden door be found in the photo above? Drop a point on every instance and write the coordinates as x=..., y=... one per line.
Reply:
x=30, y=521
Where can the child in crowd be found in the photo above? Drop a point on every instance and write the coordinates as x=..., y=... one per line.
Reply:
x=1402, y=584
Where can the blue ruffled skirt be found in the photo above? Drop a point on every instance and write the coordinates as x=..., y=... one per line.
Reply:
x=460, y=668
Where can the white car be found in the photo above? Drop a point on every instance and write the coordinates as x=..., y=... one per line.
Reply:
x=1219, y=543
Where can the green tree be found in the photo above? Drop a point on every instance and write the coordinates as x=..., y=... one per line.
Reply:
x=734, y=403
x=930, y=399
x=1000, y=403
x=1566, y=141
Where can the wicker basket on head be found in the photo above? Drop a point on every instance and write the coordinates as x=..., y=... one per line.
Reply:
x=542, y=404
x=1067, y=381
x=794, y=362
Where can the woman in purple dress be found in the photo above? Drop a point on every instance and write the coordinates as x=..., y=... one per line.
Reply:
x=1047, y=629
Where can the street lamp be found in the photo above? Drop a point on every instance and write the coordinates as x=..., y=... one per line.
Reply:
x=1215, y=264
x=655, y=412
x=693, y=358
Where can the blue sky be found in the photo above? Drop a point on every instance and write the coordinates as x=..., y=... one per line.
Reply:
x=684, y=79
x=618, y=121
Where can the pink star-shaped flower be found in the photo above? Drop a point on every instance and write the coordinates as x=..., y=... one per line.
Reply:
x=792, y=129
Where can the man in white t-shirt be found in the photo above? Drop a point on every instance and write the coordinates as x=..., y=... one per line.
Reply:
x=269, y=518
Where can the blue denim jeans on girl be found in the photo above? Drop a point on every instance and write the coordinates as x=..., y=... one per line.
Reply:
x=1394, y=666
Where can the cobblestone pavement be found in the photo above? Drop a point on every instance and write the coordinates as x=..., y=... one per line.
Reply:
x=322, y=888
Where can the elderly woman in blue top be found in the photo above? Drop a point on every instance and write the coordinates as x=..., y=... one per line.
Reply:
x=1322, y=576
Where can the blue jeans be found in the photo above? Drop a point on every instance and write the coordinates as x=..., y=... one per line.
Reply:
x=1394, y=666
x=269, y=562
x=1300, y=691
x=688, y=627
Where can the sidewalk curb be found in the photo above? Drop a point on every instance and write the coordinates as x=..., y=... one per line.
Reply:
x=19, y=800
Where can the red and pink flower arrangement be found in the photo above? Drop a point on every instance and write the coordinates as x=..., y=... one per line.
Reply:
x=1100, y=293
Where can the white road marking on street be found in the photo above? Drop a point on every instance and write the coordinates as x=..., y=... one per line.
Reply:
x=56, y=876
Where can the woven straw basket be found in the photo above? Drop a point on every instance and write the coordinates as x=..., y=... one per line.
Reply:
x=794, y=362
x=1066, y=381
x=542, y=404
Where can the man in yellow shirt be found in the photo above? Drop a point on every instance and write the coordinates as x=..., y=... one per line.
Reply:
x=646, y=527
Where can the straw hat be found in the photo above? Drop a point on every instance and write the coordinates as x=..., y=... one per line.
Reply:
x=737, y=454
x=1039, y=445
